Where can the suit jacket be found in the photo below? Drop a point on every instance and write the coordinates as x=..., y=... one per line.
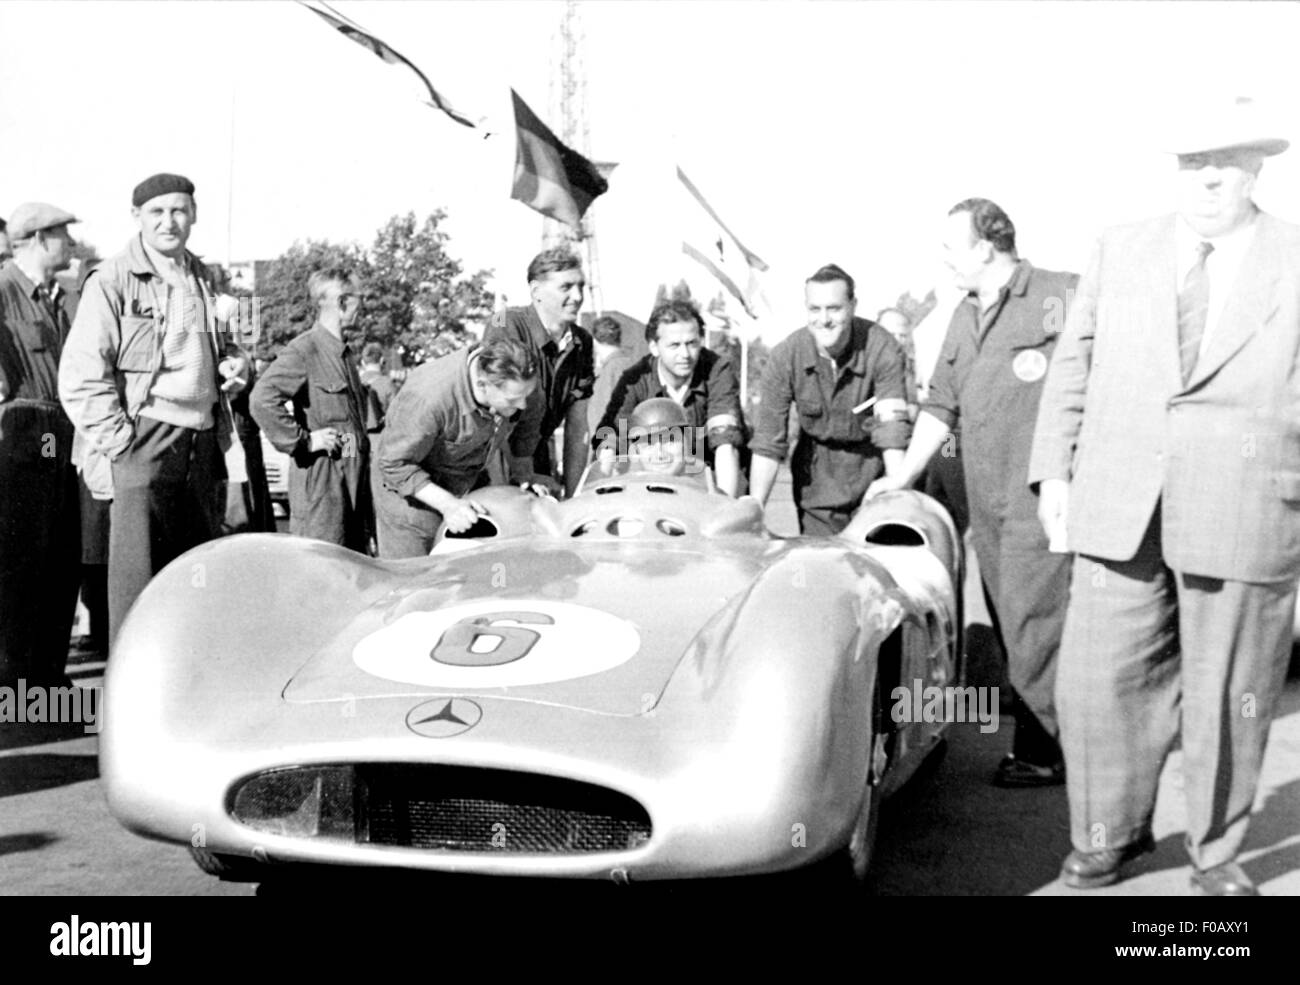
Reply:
x=1221, y=454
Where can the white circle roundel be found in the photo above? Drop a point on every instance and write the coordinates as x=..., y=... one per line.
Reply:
x=1030, y=365
x=498, y=643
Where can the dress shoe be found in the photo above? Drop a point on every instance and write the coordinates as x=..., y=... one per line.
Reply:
x=1092, y=870
x=1012, y=772
x=1223, y=880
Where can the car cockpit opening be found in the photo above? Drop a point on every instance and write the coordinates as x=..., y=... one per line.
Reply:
x=483, y=528
x=895, y=535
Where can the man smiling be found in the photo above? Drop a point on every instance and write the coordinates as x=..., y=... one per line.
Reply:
x=146, y=377
x=845, y=377
x=700, y=381
x=549, y=329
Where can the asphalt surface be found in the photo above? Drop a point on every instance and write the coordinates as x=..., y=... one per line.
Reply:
x=948, y=833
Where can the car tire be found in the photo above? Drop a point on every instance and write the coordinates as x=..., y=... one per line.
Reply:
x=851, y=863
x=228, y=868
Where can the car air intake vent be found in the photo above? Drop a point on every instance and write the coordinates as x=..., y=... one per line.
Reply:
x=457, y=809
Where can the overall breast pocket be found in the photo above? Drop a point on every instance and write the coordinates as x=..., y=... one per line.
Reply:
x=331, y=403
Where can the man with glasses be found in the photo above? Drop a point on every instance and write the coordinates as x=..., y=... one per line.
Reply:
x=323, y=427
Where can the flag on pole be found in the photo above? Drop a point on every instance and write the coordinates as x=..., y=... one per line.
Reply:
x=387, y=54
x=708, y=241
x=551, y=178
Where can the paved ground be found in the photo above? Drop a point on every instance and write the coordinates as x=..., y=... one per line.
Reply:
x=951, y=834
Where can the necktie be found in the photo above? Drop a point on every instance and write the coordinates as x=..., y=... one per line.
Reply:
x=1193, y=308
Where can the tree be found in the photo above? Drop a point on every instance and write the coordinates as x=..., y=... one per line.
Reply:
x=420, y=299
x=284, y=308
x=416, y=297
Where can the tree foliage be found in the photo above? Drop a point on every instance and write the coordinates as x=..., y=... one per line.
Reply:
x=420, y=299
x=416, y=298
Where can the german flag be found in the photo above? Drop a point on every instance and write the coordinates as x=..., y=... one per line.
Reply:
x=551, y=178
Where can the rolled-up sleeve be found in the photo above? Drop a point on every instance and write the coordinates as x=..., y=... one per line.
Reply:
x=941, y=402
x=415, y=423
x=889, y=378
x=725, y=420
x=776, y=393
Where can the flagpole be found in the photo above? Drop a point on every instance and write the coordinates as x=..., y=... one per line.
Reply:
x=230, y=178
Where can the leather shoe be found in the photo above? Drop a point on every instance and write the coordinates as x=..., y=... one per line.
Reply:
x=1092, y=870
x=1223, y=880
x=1012, y=772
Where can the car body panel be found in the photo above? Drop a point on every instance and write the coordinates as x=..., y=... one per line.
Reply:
x=723, y=679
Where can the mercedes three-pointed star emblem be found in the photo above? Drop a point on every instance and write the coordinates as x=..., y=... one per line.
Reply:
x=443, y=717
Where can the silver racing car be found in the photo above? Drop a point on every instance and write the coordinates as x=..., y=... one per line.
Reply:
x=638, y=683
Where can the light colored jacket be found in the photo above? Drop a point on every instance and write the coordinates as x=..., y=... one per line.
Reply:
x=1220, y=453
x=113, y=357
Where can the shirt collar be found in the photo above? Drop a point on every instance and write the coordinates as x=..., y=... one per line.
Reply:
x=328, y=340
x=138, y=256
x=854, y=356
x=678, y=393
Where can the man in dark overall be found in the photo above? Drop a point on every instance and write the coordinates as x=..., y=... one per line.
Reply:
x=325, y=435
x=845, y=377
x=39, y=500
x=990, y=375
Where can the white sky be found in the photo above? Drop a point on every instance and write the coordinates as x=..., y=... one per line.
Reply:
x=819, y=131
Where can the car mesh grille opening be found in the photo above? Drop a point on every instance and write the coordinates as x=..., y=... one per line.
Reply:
x=457, y=809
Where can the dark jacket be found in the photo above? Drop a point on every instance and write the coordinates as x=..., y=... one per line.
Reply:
x=565, y=378
x=712, y=403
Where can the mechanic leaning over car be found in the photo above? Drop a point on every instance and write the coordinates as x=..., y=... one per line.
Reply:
x=845, y=377
x=563, y=352
x=146, y=377
x=990, y=374
x=325, y=434
x=451, y=417
x=699, y=380
x=39, y=497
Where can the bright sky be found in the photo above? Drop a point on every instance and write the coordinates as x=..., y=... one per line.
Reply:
x=819, y=131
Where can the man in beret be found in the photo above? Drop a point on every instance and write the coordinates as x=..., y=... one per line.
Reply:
x=39, y=500
x=147, y=376
x=1167, y=458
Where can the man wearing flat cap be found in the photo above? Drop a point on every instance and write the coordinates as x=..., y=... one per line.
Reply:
x=146, y=377
x=1167, y=456
x=39, y=499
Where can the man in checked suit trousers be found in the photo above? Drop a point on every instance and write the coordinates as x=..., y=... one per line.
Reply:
x=1167, y=452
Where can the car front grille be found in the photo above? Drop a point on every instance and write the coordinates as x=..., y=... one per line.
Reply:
x=441, y=808
x=465, y=810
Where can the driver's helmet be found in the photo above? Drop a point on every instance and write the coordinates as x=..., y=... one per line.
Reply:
x=656, y=415
x=659, y=435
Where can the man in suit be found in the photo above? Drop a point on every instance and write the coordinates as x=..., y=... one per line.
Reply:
x=1167, y=458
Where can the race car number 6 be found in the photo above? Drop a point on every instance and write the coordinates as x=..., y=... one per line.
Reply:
x=497, y=643
x=458, y=643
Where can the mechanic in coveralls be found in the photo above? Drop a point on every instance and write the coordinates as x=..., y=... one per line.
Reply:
x=990, y=374
x=846, y=378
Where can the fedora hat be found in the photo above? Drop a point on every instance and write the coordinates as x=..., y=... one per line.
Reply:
x=1234, y=125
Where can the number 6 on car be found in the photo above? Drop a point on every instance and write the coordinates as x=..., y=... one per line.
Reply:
x=458, y=644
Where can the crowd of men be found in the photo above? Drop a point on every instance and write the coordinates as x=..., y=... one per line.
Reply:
x=1131, y=468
